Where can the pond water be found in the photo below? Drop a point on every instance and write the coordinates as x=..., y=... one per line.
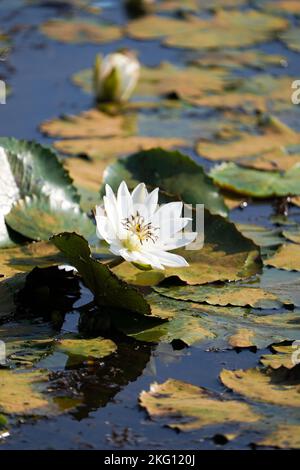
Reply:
x=38, y=71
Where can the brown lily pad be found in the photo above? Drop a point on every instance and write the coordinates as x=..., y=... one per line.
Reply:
x=286, y=257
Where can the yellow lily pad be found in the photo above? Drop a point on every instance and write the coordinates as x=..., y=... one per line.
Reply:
x=227, y=29
x=260, y=386
x=80, y=349
x=285, y=436
x=153, y=26
x=292, y=234
x=189, y=407
x=281, y=357
x=291, y=38
x=77, y=31
x=286, y=257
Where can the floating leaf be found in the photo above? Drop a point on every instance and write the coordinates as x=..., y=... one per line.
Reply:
x=108, y=289
x=262, y=386
x=173, y=172
x=292, y=235
x=281, y=357
x=79, y=350
x=224, y=30
x=153, y=26
x=255, y=183
x=285, y=436
x=264, y=151
x=236, y=59
x=28, y=169
x=78, y=31
x=226, y=255
x=38, y=218
x=24, y=258
x=291, y=7
x=188, y=83
x=230, y=294
x=291, y=39
x=261, y=236
x=215, y=327
x=261, y=92
x=21, y=393
x=286, y=257
x=190, y=407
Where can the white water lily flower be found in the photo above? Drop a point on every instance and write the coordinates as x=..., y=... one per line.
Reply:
x=139, y=230
x=116, y=76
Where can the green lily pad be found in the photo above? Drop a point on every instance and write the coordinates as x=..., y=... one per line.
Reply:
x=292, y=234
x=78, y=31
x=215, y=327
x=108, y=289
x=188, y=407
x=231, y=294
x=173, y=172
x=255, y=183
x=29, y=169
x=261, y=236
x=38, y=218
x=286, y=257
x=225, y=255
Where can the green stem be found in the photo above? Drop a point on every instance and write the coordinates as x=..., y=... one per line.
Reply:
x=115, y=262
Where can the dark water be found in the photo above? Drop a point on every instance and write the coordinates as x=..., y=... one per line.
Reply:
x=38, y=71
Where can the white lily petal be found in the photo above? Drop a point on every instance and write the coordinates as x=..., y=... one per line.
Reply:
x=124, y=201
x=170, y=259
x=171, y=227
x=152, y=201
x=178, y=241
x=139, y=194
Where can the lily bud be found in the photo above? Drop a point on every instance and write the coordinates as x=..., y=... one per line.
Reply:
x=115, y=77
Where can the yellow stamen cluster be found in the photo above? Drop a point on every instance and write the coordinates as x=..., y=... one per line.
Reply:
x=137, y=225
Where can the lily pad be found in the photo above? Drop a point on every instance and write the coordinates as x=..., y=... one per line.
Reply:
x=286, y=257
x=262, y=386
x=263, y=151
x=255, y=183
x=38, y=218
x=292, y=235
x=291, y=7
x=231, y=294
x=225, y=255
x=227, y=29
x=108, y=289
x=291, y=38
x=261, y=236
x=80, y=350
x=190, y=83
x=21, y=393
x=28, y=169
x=23, y=259
x=285, y=436
x=173, y=172
x=190, y=407
x=281, y=357
x=78, y=31
x=236, y=59
x=215, y=327
x=154, y=26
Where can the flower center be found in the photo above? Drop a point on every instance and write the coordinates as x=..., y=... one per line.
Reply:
x=144, y=231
